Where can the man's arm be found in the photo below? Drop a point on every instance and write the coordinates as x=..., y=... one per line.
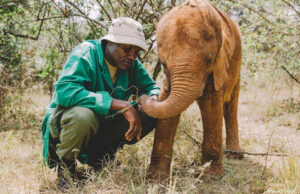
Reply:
x=79, y=72
x=135, y=123
x=145, y=85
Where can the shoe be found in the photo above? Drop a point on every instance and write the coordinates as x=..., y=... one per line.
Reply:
x=66, y=174
x=98, y=162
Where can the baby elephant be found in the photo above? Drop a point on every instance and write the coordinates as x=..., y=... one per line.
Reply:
x=200, y=48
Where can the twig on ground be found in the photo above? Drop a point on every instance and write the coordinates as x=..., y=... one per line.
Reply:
x=258, y=154
x=244, y=152
x=290, y=74
x=195, y=141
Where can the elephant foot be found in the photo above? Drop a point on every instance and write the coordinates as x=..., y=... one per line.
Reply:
x=234, y=152
x=212, y=172
x=157, y=175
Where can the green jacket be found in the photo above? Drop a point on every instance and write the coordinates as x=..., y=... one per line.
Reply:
x=85, y=81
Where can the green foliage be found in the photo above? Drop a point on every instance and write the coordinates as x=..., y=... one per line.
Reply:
x=8, y=44
x=10, y=56
x=270, y=31
x=51, y=63
x=50, y=72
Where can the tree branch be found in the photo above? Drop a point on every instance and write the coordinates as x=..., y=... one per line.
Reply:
x=289, y=4
x=112, y=8
x=253, y=10
x=60, y=8
x=149, y=49
x=40, y=10
x=76, y=7
x=88, y=18
x=173, y=3
x=82, y=14
x=141, y=9
x=123, y=4
x=290, y=74
x=103, y=8
x=41, y=25
x=160, y=2
x=26, y=36
x=50, y=18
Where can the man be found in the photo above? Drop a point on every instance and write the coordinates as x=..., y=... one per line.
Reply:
x=83, y=120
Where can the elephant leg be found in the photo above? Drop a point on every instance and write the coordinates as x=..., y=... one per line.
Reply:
x=162, y=151
x=211, y=106
x=161, y=157
x=231, y=122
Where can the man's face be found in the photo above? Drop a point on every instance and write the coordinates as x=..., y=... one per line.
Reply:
x=121, y=55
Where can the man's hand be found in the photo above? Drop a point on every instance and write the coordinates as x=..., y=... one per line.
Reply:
x=135, y=123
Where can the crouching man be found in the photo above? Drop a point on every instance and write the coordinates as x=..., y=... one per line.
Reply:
x=82, y=120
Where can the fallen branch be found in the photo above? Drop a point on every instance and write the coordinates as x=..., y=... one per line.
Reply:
x=290, y=74
x=244, y=152
x=259, y=154
x=195, y=141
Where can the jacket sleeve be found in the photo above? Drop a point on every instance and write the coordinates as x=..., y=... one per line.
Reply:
x=143, y=81
x=77, y=74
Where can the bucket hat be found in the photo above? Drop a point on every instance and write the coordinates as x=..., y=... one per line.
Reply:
x=126, y=31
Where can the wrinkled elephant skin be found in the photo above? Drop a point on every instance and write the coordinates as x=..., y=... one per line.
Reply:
x=200, y=48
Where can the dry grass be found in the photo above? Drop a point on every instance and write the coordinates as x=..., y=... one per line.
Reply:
x=269, y=112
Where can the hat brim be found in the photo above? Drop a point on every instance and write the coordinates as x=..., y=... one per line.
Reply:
x=126, y=40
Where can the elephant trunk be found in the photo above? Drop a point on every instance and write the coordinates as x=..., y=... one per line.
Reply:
x=185, y=89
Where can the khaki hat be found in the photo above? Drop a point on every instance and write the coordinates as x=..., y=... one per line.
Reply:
x=126, y=31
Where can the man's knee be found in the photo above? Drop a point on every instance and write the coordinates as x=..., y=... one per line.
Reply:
x=80, y=119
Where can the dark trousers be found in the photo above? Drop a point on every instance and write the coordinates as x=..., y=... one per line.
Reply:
x=111, y=137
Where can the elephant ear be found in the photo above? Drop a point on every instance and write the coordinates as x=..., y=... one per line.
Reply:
x=220, y=71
